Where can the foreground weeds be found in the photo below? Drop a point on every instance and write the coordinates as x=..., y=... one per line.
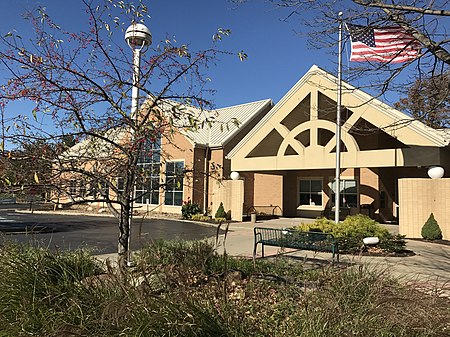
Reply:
x=184, y=288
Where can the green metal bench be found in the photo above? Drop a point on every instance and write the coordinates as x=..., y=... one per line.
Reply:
x=290, y=238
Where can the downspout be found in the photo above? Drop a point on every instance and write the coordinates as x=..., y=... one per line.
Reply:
x=206, y=181
x=206, y=168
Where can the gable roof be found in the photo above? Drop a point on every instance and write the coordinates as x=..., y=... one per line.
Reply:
x=96, y=147
x=223, y=126
x=225, y=123
x=438, y=138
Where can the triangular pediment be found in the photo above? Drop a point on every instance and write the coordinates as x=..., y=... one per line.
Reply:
x=299, y=131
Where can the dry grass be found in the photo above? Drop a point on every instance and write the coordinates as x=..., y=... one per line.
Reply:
x=185, y=289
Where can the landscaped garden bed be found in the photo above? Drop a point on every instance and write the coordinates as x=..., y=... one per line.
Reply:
x=181, y=288
x=351, y=232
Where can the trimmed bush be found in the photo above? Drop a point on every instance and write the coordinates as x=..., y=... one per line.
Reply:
x=200, y=217
x=221, y=212
x=431, y=229
x=321, y=224
x=189, y=209
x=360, y=226
x=350, y=233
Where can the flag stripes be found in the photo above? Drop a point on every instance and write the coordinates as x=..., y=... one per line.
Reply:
x=382, y=44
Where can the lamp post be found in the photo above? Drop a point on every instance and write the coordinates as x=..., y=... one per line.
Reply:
x=138, y=37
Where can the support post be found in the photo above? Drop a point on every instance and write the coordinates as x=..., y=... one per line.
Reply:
x=337, y=197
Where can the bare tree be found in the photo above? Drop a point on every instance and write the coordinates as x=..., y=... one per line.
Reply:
x=427, y=21
x=428, y=100
x=80, y=85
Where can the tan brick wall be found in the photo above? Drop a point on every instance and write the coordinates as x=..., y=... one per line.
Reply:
x=268, y=190
x=231, y=194
x=417, y=199
x=368, y=186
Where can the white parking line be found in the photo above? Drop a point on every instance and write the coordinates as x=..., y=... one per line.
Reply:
x=2, y=219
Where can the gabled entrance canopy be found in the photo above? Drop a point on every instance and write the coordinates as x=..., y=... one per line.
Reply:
x=299, y=132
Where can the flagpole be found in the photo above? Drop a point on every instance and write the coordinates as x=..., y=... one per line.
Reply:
x=337, y=198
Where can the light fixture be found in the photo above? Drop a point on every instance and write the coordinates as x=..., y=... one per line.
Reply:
x=234, y=175
x=436, y=172
x=138, y=36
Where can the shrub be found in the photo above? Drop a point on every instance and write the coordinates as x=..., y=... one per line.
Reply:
x=228, y=215
x=350, y=233
x=360, y=226
x=395, y=244
x=189, y=209
x=200, y=217
x=431, y=229
x=221, y=212
x=321, y=224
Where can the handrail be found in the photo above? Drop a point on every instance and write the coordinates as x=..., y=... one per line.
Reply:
x=254, y=209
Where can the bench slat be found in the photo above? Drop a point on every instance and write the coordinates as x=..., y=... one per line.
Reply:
x=289, y=238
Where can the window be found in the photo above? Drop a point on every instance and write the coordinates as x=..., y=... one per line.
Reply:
x=310, y=191
x=348, y=193
x=82, y=188
x=73, y=188
x=382, y=199
x=120, y=185
x=148, y=170
x=174, y=183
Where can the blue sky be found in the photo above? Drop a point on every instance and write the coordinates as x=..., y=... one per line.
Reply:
x=278, y=57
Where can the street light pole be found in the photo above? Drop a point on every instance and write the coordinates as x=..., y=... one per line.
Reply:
x=138, y=37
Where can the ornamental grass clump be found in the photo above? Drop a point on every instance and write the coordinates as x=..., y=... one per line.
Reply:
x=431, y=229
x=37, y=287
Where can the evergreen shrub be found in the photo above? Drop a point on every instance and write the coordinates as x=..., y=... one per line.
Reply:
x=351, y=232
x=189, y=209
x=431, y=229
x=221, y=212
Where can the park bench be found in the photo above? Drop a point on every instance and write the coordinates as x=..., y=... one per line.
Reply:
x=290, y=238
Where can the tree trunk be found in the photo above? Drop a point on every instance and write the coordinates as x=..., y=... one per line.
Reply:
x=124, y=231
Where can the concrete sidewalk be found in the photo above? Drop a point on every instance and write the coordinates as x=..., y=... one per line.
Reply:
x=429, y=267
x=431, y=262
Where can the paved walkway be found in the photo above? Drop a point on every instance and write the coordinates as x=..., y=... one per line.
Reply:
x=430, y=264
x=428, y=268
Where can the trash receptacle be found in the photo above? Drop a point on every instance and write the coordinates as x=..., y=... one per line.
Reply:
x=253, y=217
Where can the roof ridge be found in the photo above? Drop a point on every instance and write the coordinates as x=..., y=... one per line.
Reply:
x=243, y=104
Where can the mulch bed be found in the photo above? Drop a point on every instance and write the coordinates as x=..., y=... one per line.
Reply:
x=378, y=252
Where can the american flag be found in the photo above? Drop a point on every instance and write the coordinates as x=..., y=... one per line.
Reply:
x=382, y=44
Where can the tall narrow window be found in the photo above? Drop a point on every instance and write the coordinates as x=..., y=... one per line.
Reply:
x=148, y=170
x=348, y=193
x=310, y=192
x=174, y=183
